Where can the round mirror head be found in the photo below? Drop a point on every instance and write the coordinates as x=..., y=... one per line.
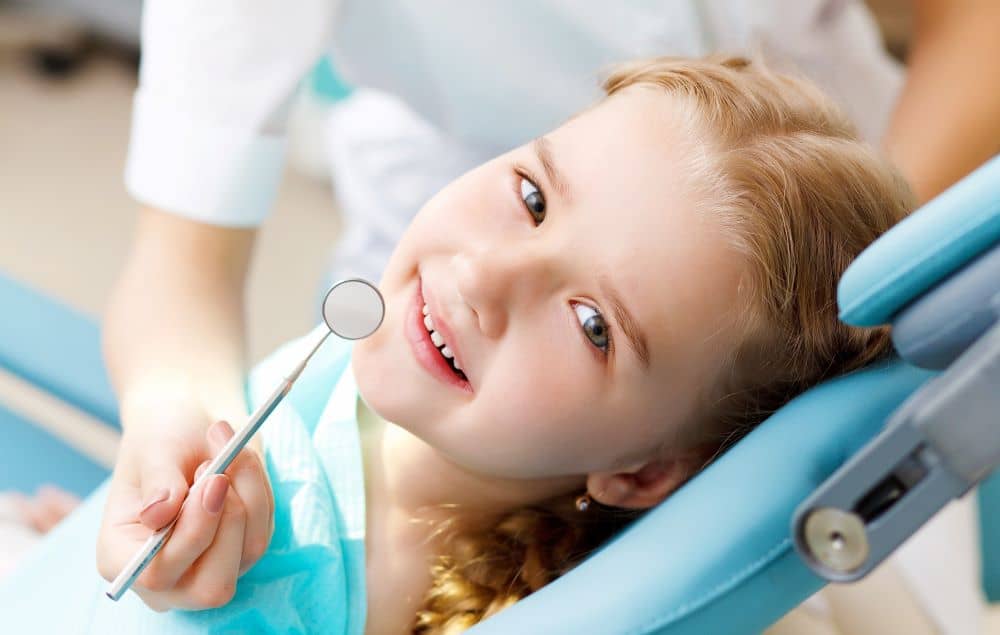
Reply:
x=353, y=309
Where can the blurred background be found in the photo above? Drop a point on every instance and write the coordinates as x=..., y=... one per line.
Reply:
x=67, y=74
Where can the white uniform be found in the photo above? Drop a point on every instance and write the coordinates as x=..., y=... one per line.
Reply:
x=477, y=78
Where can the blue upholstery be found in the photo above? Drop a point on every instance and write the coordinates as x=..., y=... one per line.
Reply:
x=923, y=249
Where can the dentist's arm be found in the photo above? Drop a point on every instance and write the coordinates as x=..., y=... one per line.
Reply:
x=205, y=158
x=947, y=120
x=174, y=348
x=174, y=325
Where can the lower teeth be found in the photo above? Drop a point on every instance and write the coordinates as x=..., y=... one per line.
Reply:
x=451, y=363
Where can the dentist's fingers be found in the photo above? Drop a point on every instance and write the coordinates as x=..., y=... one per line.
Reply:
x=211, y=582
x=249, y=479
x=195, y=532
x=164, y=486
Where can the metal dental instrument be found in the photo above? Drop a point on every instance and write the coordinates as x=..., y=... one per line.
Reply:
x=353, y=309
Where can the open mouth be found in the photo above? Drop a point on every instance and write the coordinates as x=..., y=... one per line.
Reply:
x=429, y=346
x=438, y=340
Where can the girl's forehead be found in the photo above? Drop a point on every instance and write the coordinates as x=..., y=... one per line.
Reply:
x=639, y=113
x=634, y=150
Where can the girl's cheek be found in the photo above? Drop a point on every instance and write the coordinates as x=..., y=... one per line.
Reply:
x=544, y=388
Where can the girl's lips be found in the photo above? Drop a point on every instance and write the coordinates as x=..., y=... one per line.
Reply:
x=426, y=354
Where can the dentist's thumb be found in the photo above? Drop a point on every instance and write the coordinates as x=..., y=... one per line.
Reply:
x=164, y=488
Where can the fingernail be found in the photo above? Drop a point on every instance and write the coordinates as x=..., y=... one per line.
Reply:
x=215, y=494
x=158, y=496
x=220, y=432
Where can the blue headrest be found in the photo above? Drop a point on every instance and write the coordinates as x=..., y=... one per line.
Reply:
x=717, y=556
x=923, y=249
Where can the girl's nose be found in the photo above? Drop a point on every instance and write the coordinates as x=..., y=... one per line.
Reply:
x=499, y=280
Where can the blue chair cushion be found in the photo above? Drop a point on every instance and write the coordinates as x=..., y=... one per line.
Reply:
x=923, y=249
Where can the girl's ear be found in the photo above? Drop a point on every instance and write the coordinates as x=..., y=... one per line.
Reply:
x=647, y=484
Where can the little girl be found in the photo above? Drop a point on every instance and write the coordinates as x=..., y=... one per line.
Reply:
x=573, y=330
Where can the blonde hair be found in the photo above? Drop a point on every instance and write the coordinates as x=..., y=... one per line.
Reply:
x=799, y=196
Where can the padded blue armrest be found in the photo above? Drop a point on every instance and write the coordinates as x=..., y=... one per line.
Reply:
x=717, y=556
x=55, y=348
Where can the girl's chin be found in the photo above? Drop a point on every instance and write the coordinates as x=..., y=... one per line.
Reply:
x=375, y=384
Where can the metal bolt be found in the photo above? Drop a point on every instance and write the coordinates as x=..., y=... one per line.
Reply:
x=836, y=539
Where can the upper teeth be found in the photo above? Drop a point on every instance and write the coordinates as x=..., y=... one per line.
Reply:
x=436, y=337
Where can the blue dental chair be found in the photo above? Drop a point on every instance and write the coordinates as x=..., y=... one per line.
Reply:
x=57, y=351
x=824, y=490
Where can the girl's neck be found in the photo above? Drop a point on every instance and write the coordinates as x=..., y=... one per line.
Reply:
x=415, y=498
x=407, y=478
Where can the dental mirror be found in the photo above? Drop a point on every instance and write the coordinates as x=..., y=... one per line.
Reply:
x=353, y=309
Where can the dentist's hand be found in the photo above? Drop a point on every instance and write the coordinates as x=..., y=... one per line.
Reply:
x=223, y=529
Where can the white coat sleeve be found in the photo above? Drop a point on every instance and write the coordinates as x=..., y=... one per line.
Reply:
x=208, y=119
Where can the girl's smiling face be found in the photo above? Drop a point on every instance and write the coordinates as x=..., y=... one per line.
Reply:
x=582, y=287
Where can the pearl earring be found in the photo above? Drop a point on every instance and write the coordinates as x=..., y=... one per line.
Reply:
x=583, y=502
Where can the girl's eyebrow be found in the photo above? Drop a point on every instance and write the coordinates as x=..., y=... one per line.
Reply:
x=543, y=150
x=633, y=332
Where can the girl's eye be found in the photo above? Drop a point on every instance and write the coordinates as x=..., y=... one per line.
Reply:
x=594, y=326
x=533, y=200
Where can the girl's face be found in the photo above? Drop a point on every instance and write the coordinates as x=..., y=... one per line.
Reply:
x=586, y=299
